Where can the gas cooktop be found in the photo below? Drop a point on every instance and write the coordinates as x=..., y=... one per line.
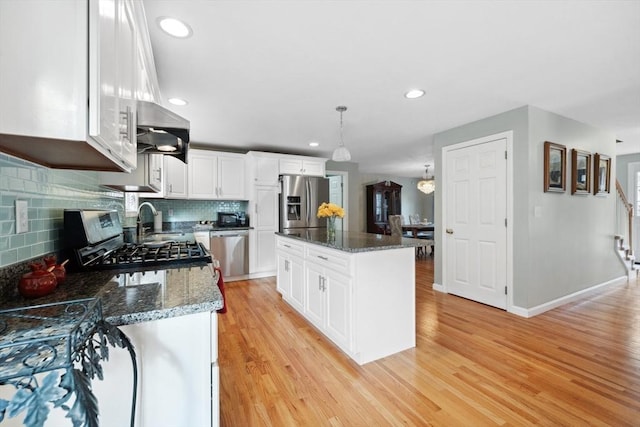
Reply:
x=133, y=255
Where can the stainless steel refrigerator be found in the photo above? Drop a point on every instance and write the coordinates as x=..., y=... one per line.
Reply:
x=299, y=201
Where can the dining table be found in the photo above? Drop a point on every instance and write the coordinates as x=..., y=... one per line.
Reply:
x=414, y=229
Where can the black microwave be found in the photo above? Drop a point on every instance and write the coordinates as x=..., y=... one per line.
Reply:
x=232, y=219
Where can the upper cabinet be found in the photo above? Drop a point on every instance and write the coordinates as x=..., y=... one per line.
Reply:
x=216, y=175
x=76, y=74
x=262, y=168
x=113, y=62
x=299, y=165
x=175, y=178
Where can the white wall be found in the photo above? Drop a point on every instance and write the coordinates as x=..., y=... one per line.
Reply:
x=570, y=246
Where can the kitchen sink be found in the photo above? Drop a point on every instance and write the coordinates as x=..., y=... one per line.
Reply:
x=163, y=237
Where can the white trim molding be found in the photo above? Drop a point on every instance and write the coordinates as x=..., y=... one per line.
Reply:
x=534, y=311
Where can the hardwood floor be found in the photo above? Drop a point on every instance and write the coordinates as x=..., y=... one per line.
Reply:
x=473, y=365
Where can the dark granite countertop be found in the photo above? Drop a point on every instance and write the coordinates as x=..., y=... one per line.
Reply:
x=135, y=297
x=353, y=242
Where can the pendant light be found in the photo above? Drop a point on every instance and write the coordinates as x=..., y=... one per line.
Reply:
x=341, y=154
x=427, y=185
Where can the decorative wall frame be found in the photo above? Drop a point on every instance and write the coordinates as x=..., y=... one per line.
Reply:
x=601, y=174
x=580, y=172
x=555, y=160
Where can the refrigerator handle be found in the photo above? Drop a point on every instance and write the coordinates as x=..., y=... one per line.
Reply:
x=308, y=199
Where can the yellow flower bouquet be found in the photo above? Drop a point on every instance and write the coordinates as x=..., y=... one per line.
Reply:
x=328, y=210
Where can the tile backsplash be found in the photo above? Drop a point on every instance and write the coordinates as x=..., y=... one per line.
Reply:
x=47, y=193
x=180, y=210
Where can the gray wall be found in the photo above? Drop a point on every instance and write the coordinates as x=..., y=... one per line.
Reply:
x=352, y=211
x=570, y=246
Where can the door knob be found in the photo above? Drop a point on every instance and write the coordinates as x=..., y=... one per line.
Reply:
x=449, y=230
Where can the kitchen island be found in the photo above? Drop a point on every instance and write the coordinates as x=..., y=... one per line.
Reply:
x=357, y=289
x=170, y=317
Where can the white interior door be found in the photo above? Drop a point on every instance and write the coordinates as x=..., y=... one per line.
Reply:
x=475, y=238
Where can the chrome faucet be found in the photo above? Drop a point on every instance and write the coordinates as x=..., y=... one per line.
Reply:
x=140, y=228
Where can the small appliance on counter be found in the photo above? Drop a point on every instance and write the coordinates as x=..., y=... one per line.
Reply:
x=232, y=219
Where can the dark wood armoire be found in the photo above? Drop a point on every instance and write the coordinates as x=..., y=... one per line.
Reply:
x=383, y=199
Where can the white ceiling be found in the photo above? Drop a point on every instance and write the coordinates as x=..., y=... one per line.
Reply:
x=267, y=75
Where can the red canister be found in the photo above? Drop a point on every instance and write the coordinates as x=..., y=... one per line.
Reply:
x=58, y=269
x=39, y=282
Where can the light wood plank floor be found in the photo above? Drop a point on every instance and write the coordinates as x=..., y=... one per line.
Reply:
x=473, y=365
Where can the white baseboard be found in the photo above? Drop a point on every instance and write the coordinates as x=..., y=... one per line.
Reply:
x=534, y=311
x=438, y=287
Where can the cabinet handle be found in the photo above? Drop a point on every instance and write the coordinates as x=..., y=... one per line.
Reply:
x=324, y=283
x=320, y=283
x=170, y=188
x=449, y=230
x=286, y=265
x=159, y=174
x=287, y=246
x=125, y=131
x=323, y=257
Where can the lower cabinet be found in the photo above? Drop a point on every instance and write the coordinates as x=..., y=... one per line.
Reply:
x=364, y=302
x=175, y=386
x=327, y=303
x=178, y=377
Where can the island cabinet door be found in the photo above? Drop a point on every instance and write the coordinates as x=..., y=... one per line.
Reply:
x=296, y=297
x=283, y=282
x=338, y=313
x=314, y=304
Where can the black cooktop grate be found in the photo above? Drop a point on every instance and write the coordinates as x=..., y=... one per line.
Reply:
x=149, y=254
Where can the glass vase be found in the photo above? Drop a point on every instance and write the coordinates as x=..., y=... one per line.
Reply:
x=331, y=229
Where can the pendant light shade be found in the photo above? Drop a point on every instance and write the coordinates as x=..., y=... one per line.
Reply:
x=341, y=154
x=427, y=184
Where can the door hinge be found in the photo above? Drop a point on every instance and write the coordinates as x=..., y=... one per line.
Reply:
x=505, y=290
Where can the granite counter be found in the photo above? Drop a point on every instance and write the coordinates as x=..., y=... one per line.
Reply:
x=133, y=297
x=350, y=241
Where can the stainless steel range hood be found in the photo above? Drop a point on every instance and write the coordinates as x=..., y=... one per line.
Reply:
x=161, y=131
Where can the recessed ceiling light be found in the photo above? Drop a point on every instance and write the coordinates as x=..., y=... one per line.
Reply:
x=313, y=144
x=174, y=27
x=414, y=93
x=178, y=101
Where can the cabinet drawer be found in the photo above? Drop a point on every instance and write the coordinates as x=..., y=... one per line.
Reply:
x=332, y=259
x=289, y=246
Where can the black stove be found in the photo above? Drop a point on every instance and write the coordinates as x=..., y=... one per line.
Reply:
x=95, y=240
x=133, y=255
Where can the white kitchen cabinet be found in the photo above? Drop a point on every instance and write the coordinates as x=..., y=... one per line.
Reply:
x=70, y=52
x=298, y=165
x=174, y=380
x=175, y=178
x=363, y=301
x=113, y=73
x=327, y=302
x=147, y=177
x=264, y=168
x=216, y=175
x=291, y=273
x=263, y=210
x=178, y=378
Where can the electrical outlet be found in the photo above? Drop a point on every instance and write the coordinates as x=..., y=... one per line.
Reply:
x=22, y=216
x=170, y=212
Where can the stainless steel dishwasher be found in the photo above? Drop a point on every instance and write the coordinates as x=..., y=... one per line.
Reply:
x=231, y=249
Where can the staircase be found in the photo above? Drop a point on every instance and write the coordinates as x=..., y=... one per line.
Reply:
x=624, y=232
